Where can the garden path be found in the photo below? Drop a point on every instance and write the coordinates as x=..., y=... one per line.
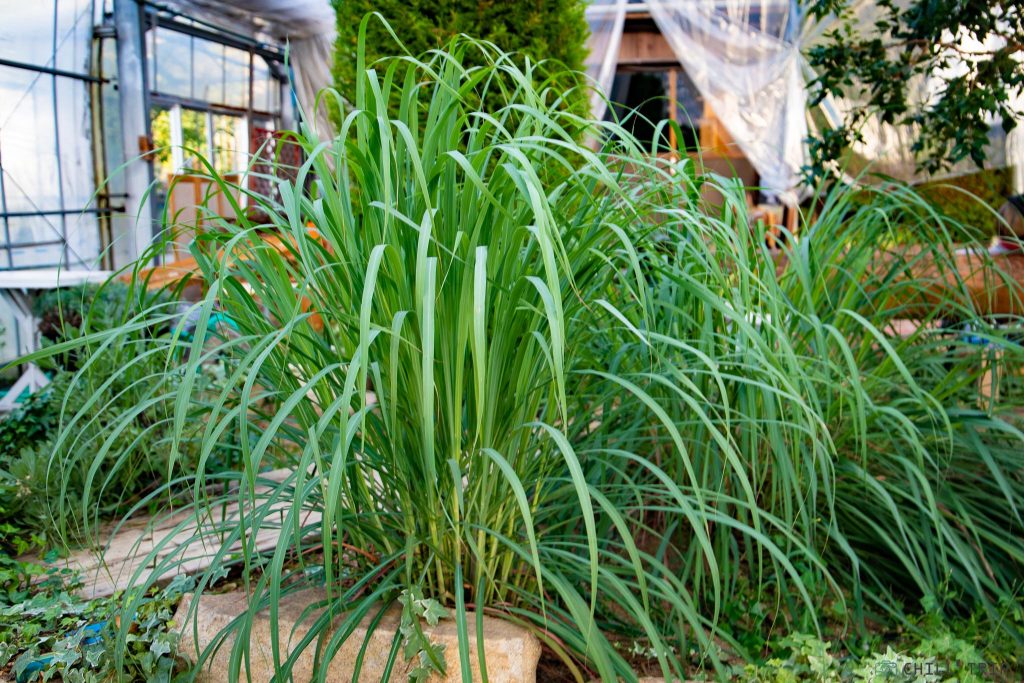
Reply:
x=111, y=568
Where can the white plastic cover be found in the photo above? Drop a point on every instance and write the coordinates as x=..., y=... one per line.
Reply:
x=744, y=57
x=311, y=58
x=606, y=19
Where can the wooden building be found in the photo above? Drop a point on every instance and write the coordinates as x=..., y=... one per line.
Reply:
x=649, y=77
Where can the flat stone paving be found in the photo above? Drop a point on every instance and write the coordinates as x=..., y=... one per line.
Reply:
x=109, y=569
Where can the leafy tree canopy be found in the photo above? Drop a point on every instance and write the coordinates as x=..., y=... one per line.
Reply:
x=972, y=49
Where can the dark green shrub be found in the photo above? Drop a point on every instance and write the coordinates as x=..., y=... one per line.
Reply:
x=970, y=199
x=553, y=30
x=34, y=419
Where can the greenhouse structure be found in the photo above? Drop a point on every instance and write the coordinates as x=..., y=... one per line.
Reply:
x=98, y=119
x=734, y=76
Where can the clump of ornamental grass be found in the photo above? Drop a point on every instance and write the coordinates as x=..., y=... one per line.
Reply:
x=515, y=376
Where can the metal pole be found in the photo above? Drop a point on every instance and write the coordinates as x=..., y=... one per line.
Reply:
x=56, y=142
x=51, y=71
x=132, y=235
x=3, y=211
x=100, y=167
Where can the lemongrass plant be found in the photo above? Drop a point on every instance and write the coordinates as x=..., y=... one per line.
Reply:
x=528, y=379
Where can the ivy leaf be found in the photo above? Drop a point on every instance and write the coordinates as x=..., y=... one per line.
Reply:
x=162, y=644
x=432, y=611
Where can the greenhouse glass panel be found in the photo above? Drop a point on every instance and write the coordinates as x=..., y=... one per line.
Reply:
x=151, y=57
x=207, y=71
x=73, y=20
x=28, y=141
x=47, y=182
x=173, y=57
x=163, y=158
x=194, y=137
x=229, y=133
x=83, y=245
x=160, y=124
x=262, y=86
x=236, y=77
x=74, y=123
x=44, y=239
x=31, y=257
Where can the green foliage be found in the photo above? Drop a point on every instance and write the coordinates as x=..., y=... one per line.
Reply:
x=877, y=59
x=47, y=631
x=963, y=208
x=26, y=431
x=47, y=492
x=31, y=421
x=25, y=428
x=67, y=310
x=978, y=638
x=934, y=650
x=970, y=200
x=106, y=409
x=551, y=384
x=808, y=659
x=551, y=32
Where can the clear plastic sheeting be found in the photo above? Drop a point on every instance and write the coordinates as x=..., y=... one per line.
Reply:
x=262, y=19
x=312, y=58
x=47, y=216
x=606, y=19
x=744, y=57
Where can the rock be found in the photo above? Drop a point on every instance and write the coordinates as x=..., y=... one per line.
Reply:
x=511, y=652
x=179, y=542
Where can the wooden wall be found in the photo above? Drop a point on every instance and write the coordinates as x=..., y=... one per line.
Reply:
x=643, y=45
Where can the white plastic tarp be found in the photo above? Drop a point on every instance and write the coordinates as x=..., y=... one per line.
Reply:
x=606, y=19
x=311, y=58
x=746, y=59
